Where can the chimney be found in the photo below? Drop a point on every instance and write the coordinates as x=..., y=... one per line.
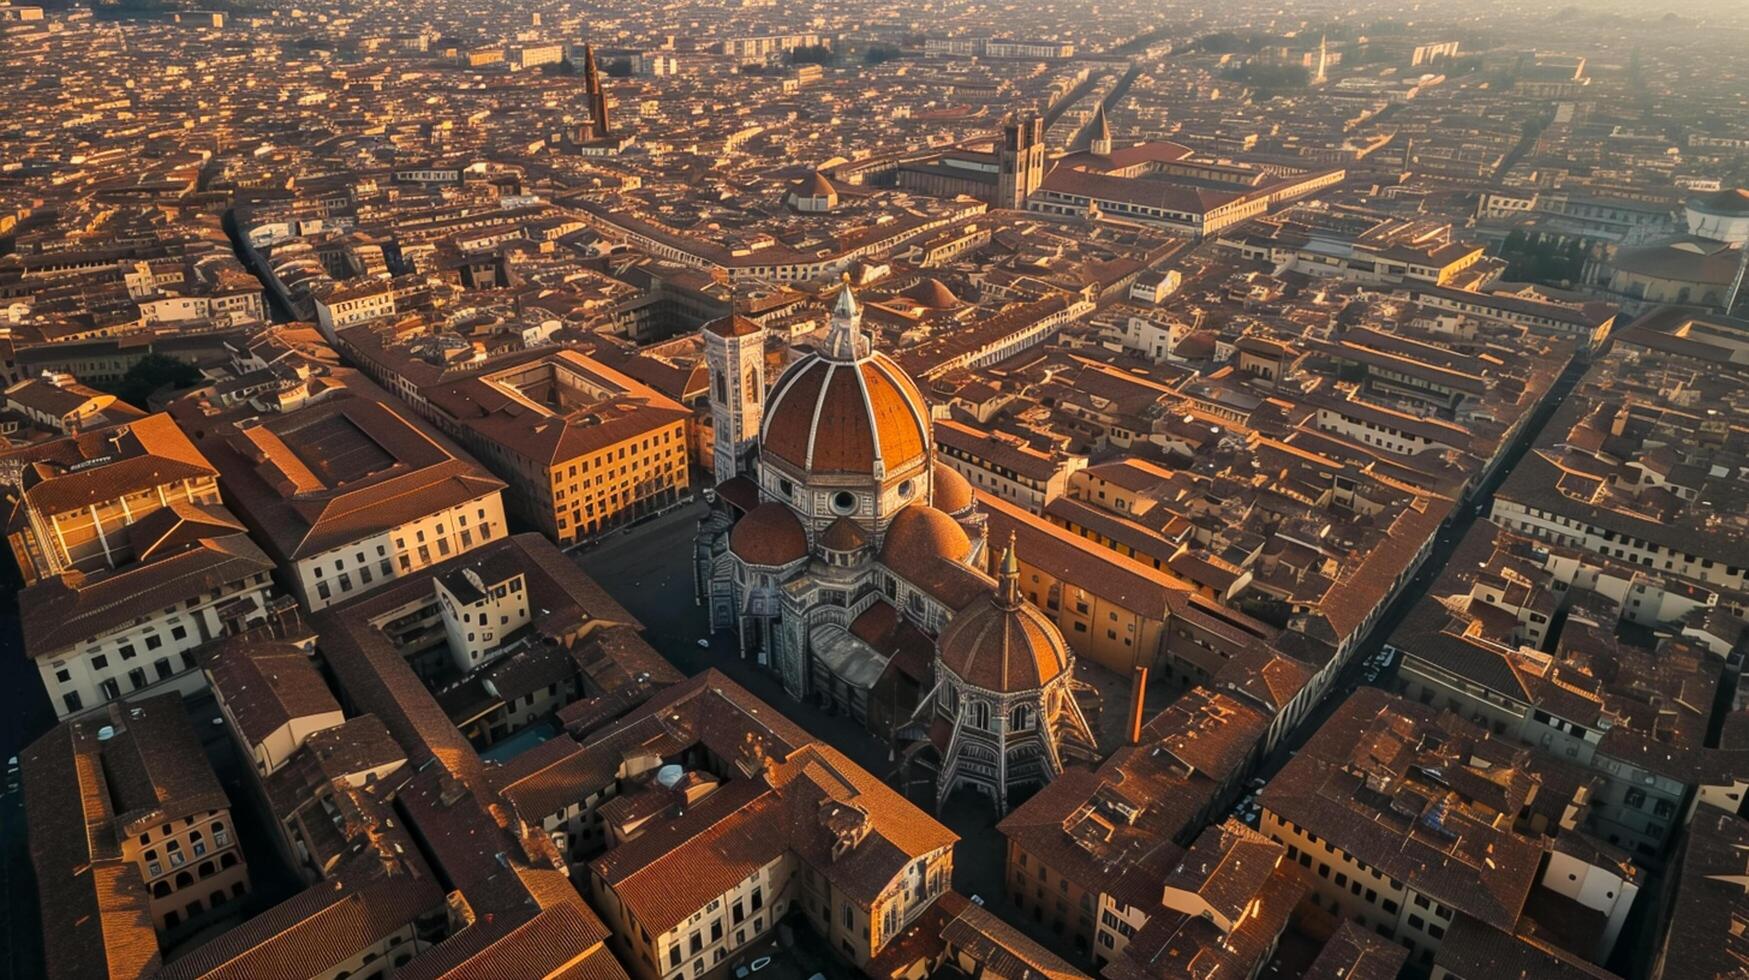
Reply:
x=1138, y=696
x=284, y=617
x=233, y=617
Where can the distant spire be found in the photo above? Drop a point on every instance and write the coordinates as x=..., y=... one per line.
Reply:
x=1101, y=143
x=1008, y=583
x=599, y=125
x=845, y=342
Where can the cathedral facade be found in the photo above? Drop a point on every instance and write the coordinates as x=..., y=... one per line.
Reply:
x=837, y=550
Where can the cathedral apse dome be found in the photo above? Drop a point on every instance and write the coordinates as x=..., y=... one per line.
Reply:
x=1004, y=644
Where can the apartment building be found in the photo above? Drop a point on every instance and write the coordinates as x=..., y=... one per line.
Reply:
x=132, y=564
x=704, y=858
x=1525, y=639
x=1410, y=822
x=348, y=492
x=583, y=448
x=1004, y=465
x=1087, y=853
x=70, y=501
x=127, y=817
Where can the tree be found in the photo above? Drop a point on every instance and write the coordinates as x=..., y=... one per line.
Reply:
x=149, y=374
x=811, y=54
x=1265, y=75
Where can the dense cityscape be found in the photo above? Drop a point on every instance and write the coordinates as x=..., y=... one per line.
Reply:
x=750, y=490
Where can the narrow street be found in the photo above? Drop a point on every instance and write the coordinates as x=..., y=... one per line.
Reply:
x=27, y=715
x=1450, y=535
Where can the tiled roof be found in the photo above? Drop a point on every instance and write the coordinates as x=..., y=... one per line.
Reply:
x=1423, y=835
x=59, y=612
x=95, y=909
x=339, y=470
x=100, y=465
x=1357, y=953
x=268, y=682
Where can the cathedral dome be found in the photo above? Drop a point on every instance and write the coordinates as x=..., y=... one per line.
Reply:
x=769, y=535
x=1004, y=644
x=846, y=410
x=920, y=534
x=827, y=417
x=953, y=493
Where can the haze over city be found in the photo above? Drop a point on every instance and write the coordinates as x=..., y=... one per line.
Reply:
x=762, y=490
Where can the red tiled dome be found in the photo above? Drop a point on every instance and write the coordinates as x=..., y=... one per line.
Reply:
x=953, y=494
x=1004, y=644
x=844, y=534
x=839, y=417
x=769, y=535
x=919, y=534
x=932, y=294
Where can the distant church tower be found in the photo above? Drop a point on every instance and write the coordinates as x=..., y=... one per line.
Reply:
x=1020, y=160
x=1101, y=139
x=1322, y=75
x=734, y=350
x=599, y=125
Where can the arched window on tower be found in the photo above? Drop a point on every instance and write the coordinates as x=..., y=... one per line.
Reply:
x=981, y=715
x=1020, y=719
x=722, y=390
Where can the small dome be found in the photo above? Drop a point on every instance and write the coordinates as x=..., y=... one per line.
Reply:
x=816, y=185
x=919, y=533
x=932, y=294
x=1004, y=644
x=844, y=534
x=953, y=494
x=769, y=535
